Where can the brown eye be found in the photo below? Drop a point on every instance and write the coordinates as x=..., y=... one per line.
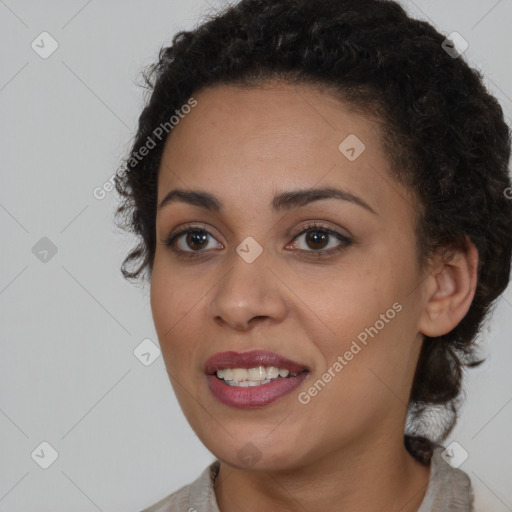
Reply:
x=196, y=239
x=320, y=241
x=317, y=239
x=192, y=240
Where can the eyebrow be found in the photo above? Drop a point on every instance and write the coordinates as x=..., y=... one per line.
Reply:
x=283, y=201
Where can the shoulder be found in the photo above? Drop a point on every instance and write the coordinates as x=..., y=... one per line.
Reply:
x=449, y=488
x=199, y=496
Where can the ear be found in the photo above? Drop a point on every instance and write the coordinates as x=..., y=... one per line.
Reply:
x=450, y=288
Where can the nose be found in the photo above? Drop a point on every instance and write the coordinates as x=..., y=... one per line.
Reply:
x=248, y=294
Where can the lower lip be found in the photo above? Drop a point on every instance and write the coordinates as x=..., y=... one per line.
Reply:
x=254, y=396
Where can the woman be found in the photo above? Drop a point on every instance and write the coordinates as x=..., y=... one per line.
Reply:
x=320, y=190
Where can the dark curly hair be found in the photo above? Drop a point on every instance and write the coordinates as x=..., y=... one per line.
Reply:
x=444, y=135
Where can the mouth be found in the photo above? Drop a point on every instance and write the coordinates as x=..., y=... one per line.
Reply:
x=252, y=379
x=256, y=376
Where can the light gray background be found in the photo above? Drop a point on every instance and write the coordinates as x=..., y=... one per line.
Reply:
x=68, y=375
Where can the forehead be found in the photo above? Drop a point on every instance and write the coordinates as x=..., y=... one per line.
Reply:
x=259, y=140
x=271, y=116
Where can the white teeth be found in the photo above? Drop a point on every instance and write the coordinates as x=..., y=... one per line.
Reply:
x=256, y=373
x=256, y=376
x=238, y=374
x=272, y=372
x=246, y=383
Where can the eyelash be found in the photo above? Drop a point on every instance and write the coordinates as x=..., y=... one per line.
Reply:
x=190, y=228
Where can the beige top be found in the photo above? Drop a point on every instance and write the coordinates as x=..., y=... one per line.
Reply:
x=449, y=490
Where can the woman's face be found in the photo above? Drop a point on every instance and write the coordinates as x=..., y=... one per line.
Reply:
x=345, y=306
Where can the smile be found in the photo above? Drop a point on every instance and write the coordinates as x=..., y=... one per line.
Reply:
x=252, y=379
x=257, y=376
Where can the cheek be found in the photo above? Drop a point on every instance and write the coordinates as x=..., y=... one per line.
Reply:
x=162, y=305
x=363, y=320
x=172, y=310
x=170, y=298
x=341, y=301
x=372, y=377
x=359, y=390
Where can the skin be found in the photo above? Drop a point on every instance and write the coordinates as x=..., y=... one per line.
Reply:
x=344, y=449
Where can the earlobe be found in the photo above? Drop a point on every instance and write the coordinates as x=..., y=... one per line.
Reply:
x=450, y=289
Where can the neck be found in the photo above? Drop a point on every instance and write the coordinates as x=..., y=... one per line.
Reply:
x=382, y=476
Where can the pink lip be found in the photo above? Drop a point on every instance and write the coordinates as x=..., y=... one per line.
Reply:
x=250, y=359
x=254, y=396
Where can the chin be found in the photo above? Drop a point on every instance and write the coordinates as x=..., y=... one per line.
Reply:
x=250, y=451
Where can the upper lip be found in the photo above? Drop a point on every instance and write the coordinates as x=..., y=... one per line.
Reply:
x=250, y=359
